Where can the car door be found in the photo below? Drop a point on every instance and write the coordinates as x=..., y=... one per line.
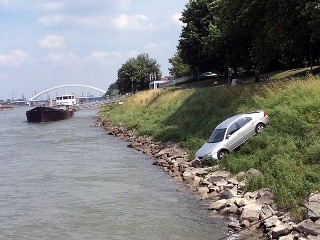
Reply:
x=246, y=129
x=232, y=137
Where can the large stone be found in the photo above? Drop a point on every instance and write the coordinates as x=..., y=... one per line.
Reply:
x=251, y=212
x=266, y=212
x=253, y=172
x=213, y=195
x=196, y=182
x=202, y=190
x=240, y=202
x=233, y=209
x=228, y=193
x=195, y=163
x=217, y=205
x=309, y=227
x=314, y=207
x=265, y=196
x=218, y=175
x=272, y=222
x=289, y=237
x=221, y=183
x=311, y=238
x=188, y=173
x=281, y=230
x=233, y=181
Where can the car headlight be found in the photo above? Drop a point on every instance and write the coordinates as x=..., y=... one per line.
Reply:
x=208, y=155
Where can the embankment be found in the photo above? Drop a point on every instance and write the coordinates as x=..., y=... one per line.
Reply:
x=251, y=214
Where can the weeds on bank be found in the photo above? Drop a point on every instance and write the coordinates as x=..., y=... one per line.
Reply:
x=287, y=152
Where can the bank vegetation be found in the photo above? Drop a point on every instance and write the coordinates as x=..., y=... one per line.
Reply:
x=287, y=152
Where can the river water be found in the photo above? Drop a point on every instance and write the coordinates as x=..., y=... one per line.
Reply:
x=70, y=180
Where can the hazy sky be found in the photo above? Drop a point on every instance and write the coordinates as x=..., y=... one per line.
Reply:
x=44, y=44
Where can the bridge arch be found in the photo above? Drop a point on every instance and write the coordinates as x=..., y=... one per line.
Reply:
x=64, y=86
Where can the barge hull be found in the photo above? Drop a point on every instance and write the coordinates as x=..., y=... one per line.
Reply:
x=48, y=114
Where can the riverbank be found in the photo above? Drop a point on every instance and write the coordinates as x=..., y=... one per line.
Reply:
x=252, y=215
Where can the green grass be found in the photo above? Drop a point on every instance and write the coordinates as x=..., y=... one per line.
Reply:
x=287, y=152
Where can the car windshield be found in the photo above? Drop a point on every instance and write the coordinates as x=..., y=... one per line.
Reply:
x=217, y=135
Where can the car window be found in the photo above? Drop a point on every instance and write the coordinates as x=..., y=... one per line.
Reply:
x=242, y=121
x=232, y=129
x=217, y=135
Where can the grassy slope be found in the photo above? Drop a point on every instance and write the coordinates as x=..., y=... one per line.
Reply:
x=287, y=152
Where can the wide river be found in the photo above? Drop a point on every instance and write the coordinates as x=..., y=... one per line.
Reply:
x=70, y=180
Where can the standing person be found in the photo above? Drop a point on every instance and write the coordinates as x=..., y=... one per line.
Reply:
x=257, y=73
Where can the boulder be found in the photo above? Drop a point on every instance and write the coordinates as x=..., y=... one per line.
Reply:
x=195, y=182
x=195, y=163
x=233, y=181
x=218, y=175
x=221, y=183
x=228, y=193
x=240, y=202
x=188, y=173
x=281, y=230
x=314, y=206
x=253, y=172
x=202, y=190
x=266, y=212
x=213, y=195
x=233, y=209
x=251, y=212
x=265, y=196
x=309, y=227
x=217, y=205
x=272, y=222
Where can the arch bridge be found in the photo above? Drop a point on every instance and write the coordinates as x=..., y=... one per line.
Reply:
x=57, y=91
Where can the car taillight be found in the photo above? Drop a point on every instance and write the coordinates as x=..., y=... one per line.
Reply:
x=264, y=114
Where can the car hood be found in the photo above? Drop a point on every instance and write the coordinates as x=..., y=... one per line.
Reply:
x=208, y=148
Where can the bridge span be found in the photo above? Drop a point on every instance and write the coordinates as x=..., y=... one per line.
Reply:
x=34, y=98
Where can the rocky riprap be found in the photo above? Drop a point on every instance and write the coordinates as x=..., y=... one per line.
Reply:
x=249, y=212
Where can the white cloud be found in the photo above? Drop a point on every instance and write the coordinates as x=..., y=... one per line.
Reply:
x=132, y=53
x=176, y=19
x=132, y=23
x=154, y=48
x=14, y=59
x=103, y=57
x=52, y=20
x=52, y=41
x=123, y=22
x=4, y=2
x=53, y=6
x=58, y=59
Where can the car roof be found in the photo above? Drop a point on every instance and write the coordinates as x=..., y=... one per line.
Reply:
x=230, y=120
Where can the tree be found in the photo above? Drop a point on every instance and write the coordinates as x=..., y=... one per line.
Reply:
x=134, y=75
x=179, y=68
x=113, y=87
x=197, y=19
x=237, y=33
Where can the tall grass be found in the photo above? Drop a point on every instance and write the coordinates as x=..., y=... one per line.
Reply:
x=287, y=152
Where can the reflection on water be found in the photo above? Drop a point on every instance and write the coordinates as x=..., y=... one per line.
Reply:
x=69, y=180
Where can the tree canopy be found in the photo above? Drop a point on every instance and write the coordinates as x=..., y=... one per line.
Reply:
x=135, y=73
x=241, y=33
x=179, y=68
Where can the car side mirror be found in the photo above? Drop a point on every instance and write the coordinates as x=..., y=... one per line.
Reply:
x=228, y=136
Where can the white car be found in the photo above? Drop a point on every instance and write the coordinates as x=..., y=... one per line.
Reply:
x=231, y=133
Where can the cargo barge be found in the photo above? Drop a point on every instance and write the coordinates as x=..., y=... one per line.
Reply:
x=48, y=114
x=63, y=109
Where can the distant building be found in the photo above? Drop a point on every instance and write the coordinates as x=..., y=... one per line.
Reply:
x=158, y=84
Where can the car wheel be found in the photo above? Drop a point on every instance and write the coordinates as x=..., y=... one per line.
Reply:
x=221, y=153
x=259, y=127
